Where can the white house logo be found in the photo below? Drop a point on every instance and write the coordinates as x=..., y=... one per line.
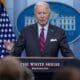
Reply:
x=62, y=16
x=67, y=23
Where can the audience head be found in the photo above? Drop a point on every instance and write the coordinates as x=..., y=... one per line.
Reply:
x=10, y=69
x=28, y=74
x=68, y=74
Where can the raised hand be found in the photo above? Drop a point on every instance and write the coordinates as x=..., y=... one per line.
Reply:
x=9, y=45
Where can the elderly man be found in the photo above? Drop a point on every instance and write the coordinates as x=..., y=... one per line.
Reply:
x=41, y=38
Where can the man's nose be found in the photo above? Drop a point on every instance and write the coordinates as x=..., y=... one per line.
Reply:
x=42, y=15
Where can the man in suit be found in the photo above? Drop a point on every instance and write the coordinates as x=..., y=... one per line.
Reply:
x=30, y=38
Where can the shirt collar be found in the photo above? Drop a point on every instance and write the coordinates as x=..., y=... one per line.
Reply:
x=45, y=27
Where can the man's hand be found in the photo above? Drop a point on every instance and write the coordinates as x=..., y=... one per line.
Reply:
x=9, y=45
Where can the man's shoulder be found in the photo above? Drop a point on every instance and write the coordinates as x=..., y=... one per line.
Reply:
x=29, y=27
x=56, y=28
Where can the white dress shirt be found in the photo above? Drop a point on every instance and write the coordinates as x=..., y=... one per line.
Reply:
x=45, y=30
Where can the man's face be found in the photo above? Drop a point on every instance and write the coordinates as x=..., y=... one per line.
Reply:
x=42, y=14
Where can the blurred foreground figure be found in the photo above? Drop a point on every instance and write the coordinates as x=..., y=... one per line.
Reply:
x=68, y=74
x=28, y=74
x=10, y=69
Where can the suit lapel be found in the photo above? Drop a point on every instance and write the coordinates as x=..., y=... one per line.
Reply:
x=36, y=41
x=49, y=36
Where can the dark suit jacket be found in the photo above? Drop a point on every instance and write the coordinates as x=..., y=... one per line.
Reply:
x=29, y=40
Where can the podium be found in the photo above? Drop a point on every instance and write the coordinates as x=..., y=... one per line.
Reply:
x=45, y=67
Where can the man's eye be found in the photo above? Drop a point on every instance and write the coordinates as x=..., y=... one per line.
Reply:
x=44, y=13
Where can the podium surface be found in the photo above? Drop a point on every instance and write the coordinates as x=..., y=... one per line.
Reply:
x=45, y=67
x=49, y=64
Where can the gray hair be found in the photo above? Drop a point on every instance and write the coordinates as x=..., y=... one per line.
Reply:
x=41, y=3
